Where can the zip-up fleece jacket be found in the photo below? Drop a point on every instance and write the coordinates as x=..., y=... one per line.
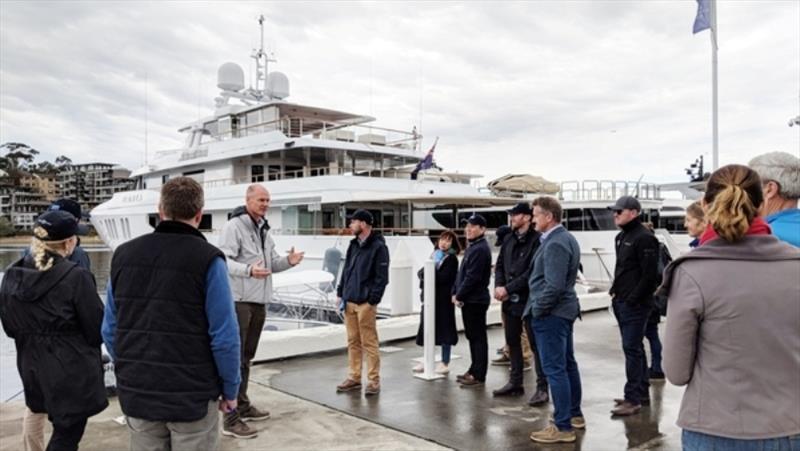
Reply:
x=366, y=271
x=244, y=243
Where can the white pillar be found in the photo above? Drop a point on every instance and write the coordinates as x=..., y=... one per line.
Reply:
x=429, y=318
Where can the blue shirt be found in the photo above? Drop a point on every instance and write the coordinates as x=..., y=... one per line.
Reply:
x=223, y=327
x=786, y=225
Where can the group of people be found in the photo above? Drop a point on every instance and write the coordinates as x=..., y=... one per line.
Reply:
x=183, y=318
x=740, y=390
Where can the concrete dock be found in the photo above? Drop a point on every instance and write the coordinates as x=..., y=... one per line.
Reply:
x=410, y=413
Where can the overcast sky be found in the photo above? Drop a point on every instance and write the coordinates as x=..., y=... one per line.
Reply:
x=564, y=89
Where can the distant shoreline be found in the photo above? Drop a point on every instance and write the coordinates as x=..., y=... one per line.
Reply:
x=18, y=242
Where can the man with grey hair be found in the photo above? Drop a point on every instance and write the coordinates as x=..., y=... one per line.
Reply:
x=780, y=181
x=252, y=259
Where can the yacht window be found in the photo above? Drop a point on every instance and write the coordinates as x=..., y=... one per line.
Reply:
x=196, y=175
x=212, y=128
x=164, y=179
x=573, y=219
x=599, y=219
x=274, y=172
x=253, y=119
x=257, y=173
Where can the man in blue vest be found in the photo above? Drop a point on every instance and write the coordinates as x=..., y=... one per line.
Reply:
x=171, y=328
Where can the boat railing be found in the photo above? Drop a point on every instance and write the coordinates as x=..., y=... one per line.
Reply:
x=345, y=232
x=607, y=190
x=296, y=127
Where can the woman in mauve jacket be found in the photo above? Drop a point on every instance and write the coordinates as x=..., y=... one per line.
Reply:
x=733, y=325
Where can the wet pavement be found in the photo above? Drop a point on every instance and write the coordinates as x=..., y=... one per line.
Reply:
x=411, y=414
x=470, y=418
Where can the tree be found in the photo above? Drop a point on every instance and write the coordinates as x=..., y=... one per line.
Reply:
x=17, y=160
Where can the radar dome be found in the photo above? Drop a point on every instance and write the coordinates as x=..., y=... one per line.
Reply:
x=278, y=85
x=230, y=77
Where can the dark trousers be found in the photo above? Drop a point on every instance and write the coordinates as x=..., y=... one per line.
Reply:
x=67, y=433
x=251, y=318
x=651, y=332
x=513, y=332
x=474, y=316
x=632, y=321
x=555, y=345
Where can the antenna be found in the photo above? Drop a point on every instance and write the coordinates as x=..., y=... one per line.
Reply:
x=262, y=62
x=146, y=121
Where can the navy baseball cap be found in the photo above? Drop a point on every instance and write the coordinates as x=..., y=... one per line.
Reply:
x=362, y=215
x=73, y=208
x=55, y=226
x=475, y=219
x=626, y=203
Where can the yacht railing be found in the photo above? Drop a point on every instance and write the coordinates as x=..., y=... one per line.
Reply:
x=296, y=127
x=607, y=190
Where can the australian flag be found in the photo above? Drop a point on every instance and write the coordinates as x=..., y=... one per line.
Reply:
x=703, y=19
x=426, y=162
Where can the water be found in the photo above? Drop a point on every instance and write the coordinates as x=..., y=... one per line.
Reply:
x=100, y=257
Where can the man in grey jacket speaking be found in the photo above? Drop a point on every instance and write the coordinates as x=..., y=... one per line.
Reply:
x=252, y=258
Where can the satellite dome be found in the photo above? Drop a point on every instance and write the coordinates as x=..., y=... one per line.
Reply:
x=278, y=85
x=230, y=77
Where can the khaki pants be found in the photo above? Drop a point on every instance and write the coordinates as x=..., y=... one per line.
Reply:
x=33, y=430
x=362, y=338
x=527, y=353
x=202, y=434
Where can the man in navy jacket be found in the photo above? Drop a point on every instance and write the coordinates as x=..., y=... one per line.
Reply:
x=471, y=293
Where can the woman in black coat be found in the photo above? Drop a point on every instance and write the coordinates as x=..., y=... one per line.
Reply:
x=51, y=309
x=446, y=259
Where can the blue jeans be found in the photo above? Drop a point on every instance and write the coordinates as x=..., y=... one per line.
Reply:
x=632, y=323
x=446, y=354
x=697, y=441
x=554, y=344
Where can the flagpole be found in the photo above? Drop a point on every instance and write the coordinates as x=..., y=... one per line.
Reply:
x=714, y=98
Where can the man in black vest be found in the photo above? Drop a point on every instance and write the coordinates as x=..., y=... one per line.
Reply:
x=632, y=299
x=514, y=264
x=171, y=328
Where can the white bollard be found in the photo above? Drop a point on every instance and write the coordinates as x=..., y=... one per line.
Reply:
x=429, y=318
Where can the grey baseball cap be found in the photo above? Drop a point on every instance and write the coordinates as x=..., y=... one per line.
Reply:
x=626, y=203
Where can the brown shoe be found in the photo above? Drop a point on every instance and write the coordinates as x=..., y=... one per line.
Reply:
x=626, y=409
x=503, y=360
x=254, y=414
x=470, y=381
x=644, y=402
x=551, y=434
x=461, y=377
x=348, y=385
x=239, y=430
x=373, y=388
x=576, y=422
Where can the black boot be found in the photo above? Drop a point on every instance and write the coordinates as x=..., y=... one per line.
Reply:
x=509, y=390
x=540, y=398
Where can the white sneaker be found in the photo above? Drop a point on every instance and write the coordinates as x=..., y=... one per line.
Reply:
x=441, y=368
x=419, y=368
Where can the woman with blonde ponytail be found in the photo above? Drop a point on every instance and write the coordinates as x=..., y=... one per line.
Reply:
x=50, y=307
x=732, y=334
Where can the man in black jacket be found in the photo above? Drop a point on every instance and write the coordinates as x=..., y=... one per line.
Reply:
x=632, y=299
x=511, y=288
x=471, y=293
x=364, y=279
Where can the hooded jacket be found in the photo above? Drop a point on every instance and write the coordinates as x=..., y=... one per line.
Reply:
x=54, y=317
x=244, y=244
x=366, y=271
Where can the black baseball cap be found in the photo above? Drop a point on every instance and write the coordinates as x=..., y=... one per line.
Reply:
x=521, y=208
x=55, y=226
x=475, y=219
x=73, y=208
x=362, y=215
x=626, y=203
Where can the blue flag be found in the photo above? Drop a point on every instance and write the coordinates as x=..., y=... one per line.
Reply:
x=703, y=19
